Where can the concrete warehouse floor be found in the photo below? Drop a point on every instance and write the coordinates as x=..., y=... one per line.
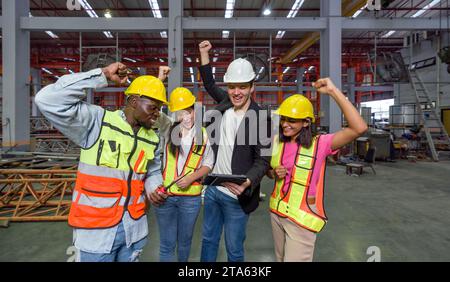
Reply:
x=403, y=210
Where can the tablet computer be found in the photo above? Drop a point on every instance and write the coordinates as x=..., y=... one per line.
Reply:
x=216, y=179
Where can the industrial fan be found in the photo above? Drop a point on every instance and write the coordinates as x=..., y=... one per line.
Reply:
x=259, y=63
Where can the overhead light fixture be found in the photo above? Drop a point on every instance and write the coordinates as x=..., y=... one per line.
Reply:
x=294, y=10
x=280, y=34
x=426, y=8
x=51, y=34
x=69, y=70
x=189, y=59
x=286, y=70
x=359, y=11
x=157, y=14
x=267, y=12
x=388, y=34
x=86, y=6
x=191, y=71
x=229, y=10
x=215, y=59
x=70, y=59
x=108, y=15
x=46, y=70
x=292, y=13
x=130, y=60
x=155, y=8
x=214, y=70
x=108, y=34
x=161, y=60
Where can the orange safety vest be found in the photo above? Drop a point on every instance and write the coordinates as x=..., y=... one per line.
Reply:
x=293, y=204
x=193, y=161
x=110, y=178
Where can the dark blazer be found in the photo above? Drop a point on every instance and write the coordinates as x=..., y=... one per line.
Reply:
x=246, y=158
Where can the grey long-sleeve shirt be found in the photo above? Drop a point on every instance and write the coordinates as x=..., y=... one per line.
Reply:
x=61, y=103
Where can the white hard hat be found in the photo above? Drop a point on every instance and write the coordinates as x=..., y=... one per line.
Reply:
x=239, y=71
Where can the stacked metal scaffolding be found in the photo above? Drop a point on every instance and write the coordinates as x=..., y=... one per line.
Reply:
x=35, y=195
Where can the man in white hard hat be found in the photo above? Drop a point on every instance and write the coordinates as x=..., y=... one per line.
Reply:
x=228, y=205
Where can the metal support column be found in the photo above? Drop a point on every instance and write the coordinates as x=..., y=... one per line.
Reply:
x=351, y=85
x=175, y=50
x=195, y=89
x=299, y=78
x=36, y=81
x=16, y=73
x=330, y=60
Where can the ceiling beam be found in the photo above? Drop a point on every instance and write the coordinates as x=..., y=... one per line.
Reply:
x=254, y=23
x=86, y=24
x=146, y=24
x=383, y=24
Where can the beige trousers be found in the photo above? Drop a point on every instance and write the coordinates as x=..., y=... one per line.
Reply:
x=292, y=242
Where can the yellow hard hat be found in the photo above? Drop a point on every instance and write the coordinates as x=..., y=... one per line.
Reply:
x=149, y=86
x=180, y=98
x=296, y=106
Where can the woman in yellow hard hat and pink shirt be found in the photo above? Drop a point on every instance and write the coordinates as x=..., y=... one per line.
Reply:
x=187, y=158
x=298, y=167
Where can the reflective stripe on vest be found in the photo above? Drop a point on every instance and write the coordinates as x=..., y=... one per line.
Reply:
x=293, y=204
x=110, y=178
x=192, y=163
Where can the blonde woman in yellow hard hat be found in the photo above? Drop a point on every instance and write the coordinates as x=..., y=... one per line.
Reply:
x=298, y=167
x=188, y=157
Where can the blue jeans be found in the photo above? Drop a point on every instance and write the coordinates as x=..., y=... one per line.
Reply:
x=222, y=211
x=176, y=220
x=119, y=252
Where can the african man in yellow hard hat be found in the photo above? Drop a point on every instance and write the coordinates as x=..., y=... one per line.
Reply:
x=119, y=159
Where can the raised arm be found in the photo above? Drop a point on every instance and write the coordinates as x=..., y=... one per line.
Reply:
x=163, y=73
x=217, y=93
x=63, y=106
x=356, y=125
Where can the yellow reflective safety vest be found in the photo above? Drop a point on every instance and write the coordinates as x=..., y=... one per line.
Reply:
x=294, y=204
x=111, y=173
x=193, y=161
